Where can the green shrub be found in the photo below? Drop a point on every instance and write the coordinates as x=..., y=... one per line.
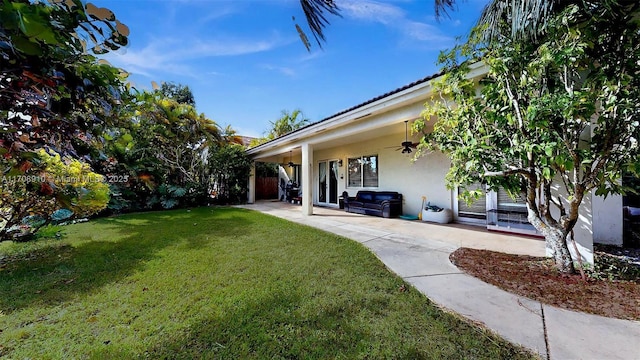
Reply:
x=80, y=190
x=611, y=267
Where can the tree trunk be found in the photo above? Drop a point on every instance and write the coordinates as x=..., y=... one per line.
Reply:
x=556, y=240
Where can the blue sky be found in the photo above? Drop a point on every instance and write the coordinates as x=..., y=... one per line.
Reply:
x=244, y=61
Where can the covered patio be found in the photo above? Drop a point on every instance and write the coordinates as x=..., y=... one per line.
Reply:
x=363, y=228
x=369, y=148
x=363, y=148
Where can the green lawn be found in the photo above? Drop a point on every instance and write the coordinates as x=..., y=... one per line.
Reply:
x=219, y=283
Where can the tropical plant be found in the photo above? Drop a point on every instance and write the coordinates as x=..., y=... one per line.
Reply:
x=178, y=136
x=554, y=119
x=78, y=189
x=22, y=195
x=230, y=168
x=54, y=94
x=180, y=93
x=52, y=91
x=28, y=202
x=160, y=154
x=289, y=121
x=314, y=12
x=230, y=136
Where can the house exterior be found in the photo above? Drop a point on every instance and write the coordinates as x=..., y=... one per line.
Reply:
x=360, y=148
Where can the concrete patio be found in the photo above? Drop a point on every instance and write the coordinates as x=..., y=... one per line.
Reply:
x=419, y=253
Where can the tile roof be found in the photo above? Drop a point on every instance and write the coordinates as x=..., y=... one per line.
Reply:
x=402, y=88
x=379, y=97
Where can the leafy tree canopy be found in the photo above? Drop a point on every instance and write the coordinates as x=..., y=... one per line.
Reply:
x=289, y=121
x=562, y=111
x=52, y=91
x=180, y=93
x=158, y=153
x=230, y=168
x=54, y=95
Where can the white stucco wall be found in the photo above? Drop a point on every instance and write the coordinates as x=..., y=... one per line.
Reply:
x=600, y=221
x=397, y=172
x=607, y=224
x=582, y=231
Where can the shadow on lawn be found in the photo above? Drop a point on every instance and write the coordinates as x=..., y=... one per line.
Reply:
x=264, y=327
x=56, y=273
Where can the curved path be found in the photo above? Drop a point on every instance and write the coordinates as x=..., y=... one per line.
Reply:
x=419, y=253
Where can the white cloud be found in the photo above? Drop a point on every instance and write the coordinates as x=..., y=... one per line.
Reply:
x=371, y=11
x=311, y=55
x=396, y=18
x=226, y=47
x=218, y=13
x=425, y=32
x=281, y=69
x=174, y=55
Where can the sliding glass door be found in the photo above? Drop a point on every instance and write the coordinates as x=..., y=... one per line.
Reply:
x=328, y=182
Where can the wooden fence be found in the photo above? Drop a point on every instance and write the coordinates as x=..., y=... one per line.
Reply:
x=266, y=188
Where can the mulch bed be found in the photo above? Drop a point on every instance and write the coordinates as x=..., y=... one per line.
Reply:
x=537, y=279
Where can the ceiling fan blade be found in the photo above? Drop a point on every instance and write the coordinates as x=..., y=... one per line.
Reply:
x=406, y=145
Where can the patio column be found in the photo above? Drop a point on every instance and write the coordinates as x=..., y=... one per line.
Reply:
x=251, y=196
x=307, y=179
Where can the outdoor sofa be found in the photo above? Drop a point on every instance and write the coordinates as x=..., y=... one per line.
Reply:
x=378, y=203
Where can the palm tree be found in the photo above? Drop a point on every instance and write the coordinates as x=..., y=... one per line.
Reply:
x=288, y=122
x=314, y=11
x=230, y=136
x=525, y=18
x=528, y=19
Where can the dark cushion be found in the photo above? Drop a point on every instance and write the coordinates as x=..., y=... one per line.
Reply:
x=373, y=205
x=386, y=195
x=365, y=196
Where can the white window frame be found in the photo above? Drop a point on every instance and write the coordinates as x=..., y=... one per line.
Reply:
x=361, y=161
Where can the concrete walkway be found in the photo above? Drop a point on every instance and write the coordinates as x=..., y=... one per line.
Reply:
x=419, y=253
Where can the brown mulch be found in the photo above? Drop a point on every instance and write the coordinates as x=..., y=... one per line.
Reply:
x=537, y=279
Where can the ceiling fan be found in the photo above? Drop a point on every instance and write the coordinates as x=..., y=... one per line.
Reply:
x=291, y=164
x=407, y=145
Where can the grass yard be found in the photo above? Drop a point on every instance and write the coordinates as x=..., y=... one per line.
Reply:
x=221, y=283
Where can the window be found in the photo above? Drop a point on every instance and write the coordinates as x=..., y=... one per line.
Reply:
x=363, y=171
x=475, y=210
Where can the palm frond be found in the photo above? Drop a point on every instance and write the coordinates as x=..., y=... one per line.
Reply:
x=314, y=11
x=442, y=7
x=528, y=19
x=524, y=19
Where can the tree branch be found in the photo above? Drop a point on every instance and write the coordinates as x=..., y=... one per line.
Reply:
x=511, y=171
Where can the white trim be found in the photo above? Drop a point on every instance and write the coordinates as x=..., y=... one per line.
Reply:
x=466, y=220
x=394, y=101
x=317, y=185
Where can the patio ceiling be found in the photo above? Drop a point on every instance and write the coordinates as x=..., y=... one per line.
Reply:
x=381, y=116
